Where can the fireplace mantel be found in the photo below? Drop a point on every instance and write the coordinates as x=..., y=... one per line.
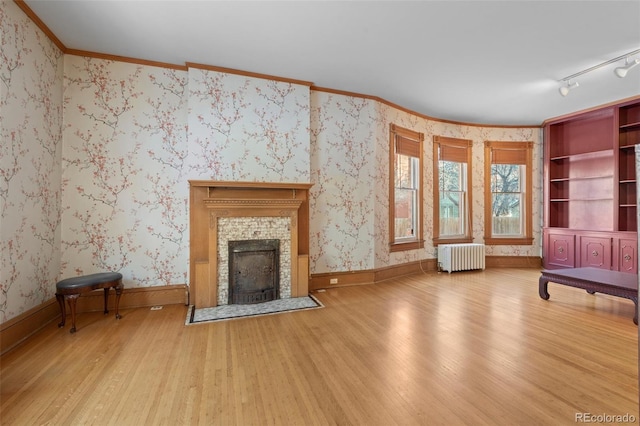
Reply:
x=212, y=200
x=252, y=203
x=245, y=185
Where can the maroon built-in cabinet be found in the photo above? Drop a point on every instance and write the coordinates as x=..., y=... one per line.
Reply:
x=590, y=189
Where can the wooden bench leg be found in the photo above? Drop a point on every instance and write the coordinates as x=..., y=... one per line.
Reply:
x=106, y=300
x=63, y=310
x=542, y=288
x=118, y=289
x=72, y=299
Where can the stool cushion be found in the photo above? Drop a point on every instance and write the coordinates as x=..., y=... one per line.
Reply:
x=88, y=280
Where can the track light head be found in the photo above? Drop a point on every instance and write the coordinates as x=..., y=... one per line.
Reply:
x=622, y=71
x=564, y=90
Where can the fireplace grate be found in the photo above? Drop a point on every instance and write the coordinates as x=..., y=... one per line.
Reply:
x=249, y=297
x=254, y=275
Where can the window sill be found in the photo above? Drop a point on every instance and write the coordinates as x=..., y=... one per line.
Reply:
x=517, y=241
x=409, y=245
x=458, y=240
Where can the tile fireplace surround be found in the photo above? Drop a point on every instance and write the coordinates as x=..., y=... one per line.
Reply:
x=224, y=211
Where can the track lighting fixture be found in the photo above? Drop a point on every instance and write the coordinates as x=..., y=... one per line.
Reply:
x=622, y=71
x=564, y=90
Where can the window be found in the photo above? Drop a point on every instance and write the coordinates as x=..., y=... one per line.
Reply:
x=452, y=197
x=405, y=189
x=508, y=192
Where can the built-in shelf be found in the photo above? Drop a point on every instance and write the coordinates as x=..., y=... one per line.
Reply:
x=575, y=179
x=628, y=137
x=630, y=126
x=588, y=155
x=580, y=199
x=590, y=188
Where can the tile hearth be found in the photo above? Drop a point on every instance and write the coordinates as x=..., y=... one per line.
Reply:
x=227, y=312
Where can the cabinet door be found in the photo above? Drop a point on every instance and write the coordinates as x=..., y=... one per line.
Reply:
x=628, y=255
x=595, y=252
x=560, y=250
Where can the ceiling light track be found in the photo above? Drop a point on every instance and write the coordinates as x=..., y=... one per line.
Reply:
x=619, y=71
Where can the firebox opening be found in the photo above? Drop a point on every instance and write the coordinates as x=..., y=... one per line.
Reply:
x=254, y=272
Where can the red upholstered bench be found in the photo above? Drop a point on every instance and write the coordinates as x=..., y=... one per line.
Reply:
x=71, y=288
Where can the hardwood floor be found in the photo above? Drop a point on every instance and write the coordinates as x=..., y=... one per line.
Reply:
x=437, y=349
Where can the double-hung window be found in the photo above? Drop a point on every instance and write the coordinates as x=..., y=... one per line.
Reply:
x=452, y=190
x=405, y=184
x=508, y=188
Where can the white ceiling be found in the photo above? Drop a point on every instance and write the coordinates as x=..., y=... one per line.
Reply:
x=486, y=62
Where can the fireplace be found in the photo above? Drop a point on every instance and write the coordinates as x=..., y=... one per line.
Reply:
x=254, y=275
x=222, y=212
x=253, y=228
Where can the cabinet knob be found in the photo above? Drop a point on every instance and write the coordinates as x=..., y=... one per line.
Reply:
x=594, y=253
x=627, y=257
x=560, y=249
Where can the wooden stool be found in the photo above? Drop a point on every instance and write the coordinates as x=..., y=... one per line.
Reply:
x=71, y=288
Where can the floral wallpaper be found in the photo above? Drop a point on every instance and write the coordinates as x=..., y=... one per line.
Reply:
x=96, y=156
x=134, y=135
x=343, y=175
x=125, y=194
x=247, y=129
x=30, y=150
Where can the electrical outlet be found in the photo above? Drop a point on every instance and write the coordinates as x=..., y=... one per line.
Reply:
x=333, y=281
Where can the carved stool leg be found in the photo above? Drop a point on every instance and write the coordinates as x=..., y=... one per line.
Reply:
x=63, y=310
x=106, y=300
x=542, y=288
x=635, y=316
x=118, y=294
x=72, y=299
